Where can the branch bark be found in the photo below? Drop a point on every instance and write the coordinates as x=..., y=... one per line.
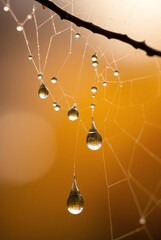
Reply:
x=96, y=29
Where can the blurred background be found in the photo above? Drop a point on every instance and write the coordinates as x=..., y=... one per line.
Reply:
x=40, y=147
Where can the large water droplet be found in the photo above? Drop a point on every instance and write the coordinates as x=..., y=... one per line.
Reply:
x=75, y=202
x=43, y=92
x=73, y=113
x=94, y=139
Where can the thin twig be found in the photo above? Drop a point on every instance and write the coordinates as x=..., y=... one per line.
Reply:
x=96, y=29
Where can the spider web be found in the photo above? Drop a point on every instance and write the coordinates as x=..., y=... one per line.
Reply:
x=125, y=107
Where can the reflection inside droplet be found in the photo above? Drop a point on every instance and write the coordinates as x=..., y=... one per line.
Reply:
x=73, y=113
x=75, y=202
x=94, y=139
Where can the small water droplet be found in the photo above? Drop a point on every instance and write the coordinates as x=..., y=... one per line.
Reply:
x=56, y=106
x=30, y=57
x=105, y=83
x=54, y=80
x=94, y=139
x=19, y=28
x=93, y=106
x=29, y=16
x=93, y=89
x=73, y=113
x=94, y=63
x=40, y=76
x=77, y=35
x=6, y=7
x=43, y=91
x=116, y=73
x=75, y=202
x=142, y=220
x=94, y=57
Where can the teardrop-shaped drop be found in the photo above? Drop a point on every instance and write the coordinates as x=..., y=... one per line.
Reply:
x=73, y=113
x=75, y=202
x=94, y=139
x=43, y=92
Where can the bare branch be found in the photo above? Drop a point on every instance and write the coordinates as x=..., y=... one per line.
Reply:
x=96, y=29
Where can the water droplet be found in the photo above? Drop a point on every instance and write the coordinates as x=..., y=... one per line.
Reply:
x=30, y=57
x=105, y=83
x=56, y=106
x=75, y=202
x=94, y=63
x=94, y=57
x=77, y=35
x=73, y=113
x=19, y=28
x=29, y=16
x=116, y=73
x=40, y=76
x=43, y=91
x=93, y=106
x=94, y=139
x=93, y=89
x=54, y=80
x=6, y=7
x=142, y=220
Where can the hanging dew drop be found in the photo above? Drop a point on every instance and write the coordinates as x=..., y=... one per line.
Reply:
x=56, y=106
x=116, y=73
x=105, y=83
x=94, y=57
x=54, y=80
x=75, y=202
x=29, y=16
x=93, y=89
x=40, y=76
x=94, y=139
x=73, y=113
x=142, y=220
x=6, y=7
x=30, y=57
x=19, y=28
x=94, y=63
x=93, y=106
x=43, y=92
x=77, y=35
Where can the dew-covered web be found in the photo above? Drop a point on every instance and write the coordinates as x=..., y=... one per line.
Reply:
x=119, y=88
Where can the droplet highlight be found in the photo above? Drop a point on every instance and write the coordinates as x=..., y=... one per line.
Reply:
x=75, y=202
x=94, y=139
